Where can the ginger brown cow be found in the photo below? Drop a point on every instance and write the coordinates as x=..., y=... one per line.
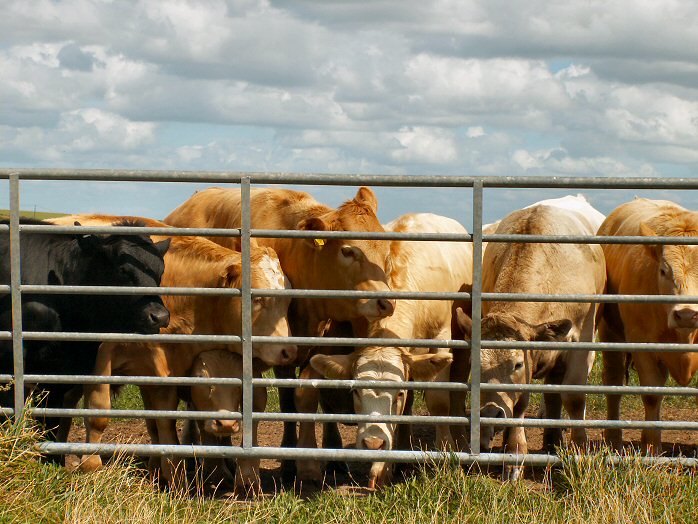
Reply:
x=191, y=262
x=320, y=263
x=226, y=399
x=652, y=270
x=538, y=268
x=416, y=266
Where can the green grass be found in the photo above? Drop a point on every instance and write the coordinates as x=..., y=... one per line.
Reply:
x=590, y=491
x=39, y=215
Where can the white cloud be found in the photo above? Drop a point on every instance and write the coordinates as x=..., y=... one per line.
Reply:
x=475, y=86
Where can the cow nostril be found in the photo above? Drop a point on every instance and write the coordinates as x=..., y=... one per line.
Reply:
x=373, y=443
x=386, y=306
x=160, y=317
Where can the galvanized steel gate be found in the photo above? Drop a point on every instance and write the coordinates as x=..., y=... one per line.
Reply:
x=246, y=293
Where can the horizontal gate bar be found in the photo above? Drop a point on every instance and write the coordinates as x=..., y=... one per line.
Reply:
x=530, y=182
x=343, y=293
x=136, y=413
x=131, y=230
x=359, y=235
x=357, y=384
x=337, y=341
x=354, y=419
x=353, y=455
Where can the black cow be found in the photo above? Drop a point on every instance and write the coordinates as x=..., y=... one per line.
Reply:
x=79, y=260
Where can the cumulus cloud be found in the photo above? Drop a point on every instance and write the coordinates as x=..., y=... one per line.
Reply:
x=450, y=87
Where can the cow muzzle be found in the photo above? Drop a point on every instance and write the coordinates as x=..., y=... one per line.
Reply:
x=683, y=317
x=154, y=317
x=222, y=427
x=373, y=443
x=374, y=309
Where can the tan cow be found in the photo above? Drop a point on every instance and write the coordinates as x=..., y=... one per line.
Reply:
x=416, y=266
x=319, y=263
x=191, y=262
x=538, y=268
x=226, y=399
x=652, y=270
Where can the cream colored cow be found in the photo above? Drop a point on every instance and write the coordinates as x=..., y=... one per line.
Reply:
x=539, y=268
x=416, y=266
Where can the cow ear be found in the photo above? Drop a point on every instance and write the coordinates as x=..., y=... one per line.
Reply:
x=464, y=322
x=552, y=331
x=367, y=197
x=653, y=250
x=163, y=246
x=88, y=242
x=424, y=368
x=54, y=279
x=231, y=274
x=314, y=224
x=333, y=366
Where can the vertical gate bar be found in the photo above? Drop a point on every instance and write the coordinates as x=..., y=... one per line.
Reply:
x=247, y=388
x=476, y=299
x=15, y=280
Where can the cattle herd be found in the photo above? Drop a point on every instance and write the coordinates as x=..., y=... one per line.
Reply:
x=365, y=265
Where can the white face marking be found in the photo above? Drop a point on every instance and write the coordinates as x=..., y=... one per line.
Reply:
x=272, y=271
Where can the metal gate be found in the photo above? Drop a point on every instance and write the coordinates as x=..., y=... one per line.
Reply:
x=247, y=416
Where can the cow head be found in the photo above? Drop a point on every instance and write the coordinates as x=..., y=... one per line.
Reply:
x=269, y=314
x=378, y=363
x=677, y=274
x=121, y=260
x=225, y=399
x=510, y=366
x=351, y=264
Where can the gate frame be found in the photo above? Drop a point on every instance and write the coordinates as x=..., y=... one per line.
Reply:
x=247, y=416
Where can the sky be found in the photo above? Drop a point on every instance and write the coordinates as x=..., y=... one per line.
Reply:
x=471, y=87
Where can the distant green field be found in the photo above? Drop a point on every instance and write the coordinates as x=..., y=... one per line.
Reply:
x=39, y=215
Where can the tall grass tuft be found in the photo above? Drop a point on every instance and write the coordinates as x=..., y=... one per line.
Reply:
x=32, y=491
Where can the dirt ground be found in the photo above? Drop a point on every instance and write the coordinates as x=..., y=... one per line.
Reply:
x=675, y=443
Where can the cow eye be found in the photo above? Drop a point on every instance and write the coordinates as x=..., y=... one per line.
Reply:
x=662, y=271
x=258, y=302
x=518, y=366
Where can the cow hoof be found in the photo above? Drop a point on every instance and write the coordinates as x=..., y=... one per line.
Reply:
x=90, y=463
x=247, y=488
x=512, y=473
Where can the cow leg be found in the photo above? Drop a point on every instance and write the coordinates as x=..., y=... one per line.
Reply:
x=287, y=404
x=460, y=371
x=613, y=375
x=515, y=442
x=651, y=373
x=152, y=429
x=307, y=401
x=97, y=396
x=553, y=410
x=247, y=480
x=438, y=404
x=577, y=371
x=165, y=398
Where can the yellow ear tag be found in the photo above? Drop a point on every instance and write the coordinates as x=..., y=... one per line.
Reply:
x=319, y=242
